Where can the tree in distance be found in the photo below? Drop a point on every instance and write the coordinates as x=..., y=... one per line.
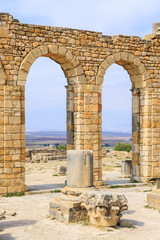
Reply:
x=60, y=146
x=123, y=147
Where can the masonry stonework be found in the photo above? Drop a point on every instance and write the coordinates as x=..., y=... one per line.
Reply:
x=84, y=56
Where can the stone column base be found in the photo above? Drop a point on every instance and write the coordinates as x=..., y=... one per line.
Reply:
x=67, y=209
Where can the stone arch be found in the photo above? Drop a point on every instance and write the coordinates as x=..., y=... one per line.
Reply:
x=69, y=63
x=140, y=79
x=3, y=76
x=129, y=62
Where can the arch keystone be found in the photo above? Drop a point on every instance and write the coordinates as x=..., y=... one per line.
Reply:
x=124, y=56
x=44, y=49
x=117, y=56
x=53, y=49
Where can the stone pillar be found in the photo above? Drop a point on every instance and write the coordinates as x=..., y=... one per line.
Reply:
x=14, y=139
x=3, y=189
x=79, y=168
x=135, y=131
x=70, y=117
x=146, y=157
x=88, y=125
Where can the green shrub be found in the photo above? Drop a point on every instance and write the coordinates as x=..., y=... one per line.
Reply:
x=60, y=146
x=123, y=147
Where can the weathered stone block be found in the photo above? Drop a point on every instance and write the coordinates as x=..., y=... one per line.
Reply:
x=4, y=31
x=126, y=168
x=62, y=170
x=153, y=199
x=79, y=168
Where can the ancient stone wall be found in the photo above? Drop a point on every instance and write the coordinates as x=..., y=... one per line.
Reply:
x=43, y=155
x=84, y=56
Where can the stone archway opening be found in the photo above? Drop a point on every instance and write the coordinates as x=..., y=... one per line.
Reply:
x=73, y=73
x=45, y=121
x=116, y=123
x=139, y=77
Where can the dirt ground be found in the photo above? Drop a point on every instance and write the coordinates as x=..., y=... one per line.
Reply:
x=32, y=222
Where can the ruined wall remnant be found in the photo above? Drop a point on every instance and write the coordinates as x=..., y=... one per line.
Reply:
x=43, y=155
x=84, y=56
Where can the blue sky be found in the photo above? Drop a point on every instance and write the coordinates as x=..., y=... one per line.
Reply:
x=45, y=92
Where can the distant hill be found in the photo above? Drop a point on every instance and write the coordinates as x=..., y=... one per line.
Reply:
x=116, y=134
x=30, y=134
x=52, y=137
x=50, y=134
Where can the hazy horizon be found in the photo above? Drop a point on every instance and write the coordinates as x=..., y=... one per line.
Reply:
x=51, y=130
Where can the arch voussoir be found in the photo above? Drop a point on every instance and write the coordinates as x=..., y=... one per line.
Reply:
x=37, y=52
x=62, y=51
x=105, y=64
x=110, y=59
x=44, y=49
x=117, y=57
x=63, y=56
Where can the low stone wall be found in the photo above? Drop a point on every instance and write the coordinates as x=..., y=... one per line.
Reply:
x=118, y=154
x=42, y=155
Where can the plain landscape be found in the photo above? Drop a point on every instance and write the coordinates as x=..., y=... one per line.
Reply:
x=34, y=138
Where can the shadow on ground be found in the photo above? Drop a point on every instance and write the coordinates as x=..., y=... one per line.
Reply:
x=6, y=236
x=117, y=181
x=45, y=187
x=129, y=212
x=11, y=224
x=134, y=223
x=18, y=223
